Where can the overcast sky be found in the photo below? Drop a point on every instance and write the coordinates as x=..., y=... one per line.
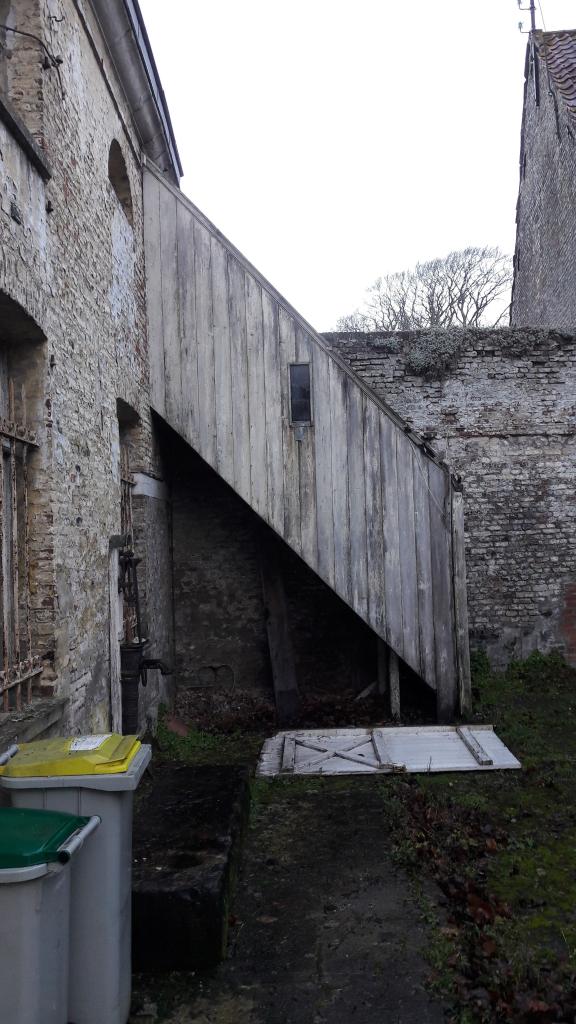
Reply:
x=333, y=141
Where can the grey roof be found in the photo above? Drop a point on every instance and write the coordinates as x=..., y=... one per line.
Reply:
x=558, y=49
x=125, y=33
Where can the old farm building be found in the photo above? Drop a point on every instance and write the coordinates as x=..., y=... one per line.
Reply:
x=168, y=419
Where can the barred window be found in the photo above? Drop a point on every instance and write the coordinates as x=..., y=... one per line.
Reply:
x=19, y=666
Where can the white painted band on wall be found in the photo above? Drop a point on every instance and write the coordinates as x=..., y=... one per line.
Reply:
x=148, y=487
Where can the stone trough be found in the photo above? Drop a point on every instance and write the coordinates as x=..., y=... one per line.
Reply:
x=188, y=828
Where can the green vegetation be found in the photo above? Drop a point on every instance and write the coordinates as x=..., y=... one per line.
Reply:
x=502, y=847
x=499, y=848
x=200, y=746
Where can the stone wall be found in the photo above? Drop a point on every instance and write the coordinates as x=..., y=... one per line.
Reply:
x=499, y=407
x=220, y=625
x=544, y=292
x=75, y=264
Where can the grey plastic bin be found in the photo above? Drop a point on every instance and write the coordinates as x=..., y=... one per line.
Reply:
x=34, y=938
x=101, y=885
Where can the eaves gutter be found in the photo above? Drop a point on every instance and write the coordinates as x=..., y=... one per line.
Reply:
x=125, y=33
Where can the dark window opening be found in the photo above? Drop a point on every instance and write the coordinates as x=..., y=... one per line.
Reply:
x=119, y=178
x=300, y=395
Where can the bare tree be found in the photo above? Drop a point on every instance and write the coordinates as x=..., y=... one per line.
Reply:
x=467, y=288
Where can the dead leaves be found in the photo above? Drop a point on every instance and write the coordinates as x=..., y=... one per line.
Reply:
x=452, y=845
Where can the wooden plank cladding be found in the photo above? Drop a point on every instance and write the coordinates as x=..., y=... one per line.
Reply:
x=355, y=493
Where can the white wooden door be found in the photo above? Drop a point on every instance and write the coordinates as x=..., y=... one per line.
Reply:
x=384, y=750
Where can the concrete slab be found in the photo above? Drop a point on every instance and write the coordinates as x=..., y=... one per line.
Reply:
x=326, y=929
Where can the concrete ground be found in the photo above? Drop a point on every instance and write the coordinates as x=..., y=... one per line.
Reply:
x=324, y=927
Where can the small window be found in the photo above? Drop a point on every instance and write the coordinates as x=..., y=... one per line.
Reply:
x=119, y=178
x=300, y=399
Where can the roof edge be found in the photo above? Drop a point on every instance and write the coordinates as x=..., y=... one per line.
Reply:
x=125, y=33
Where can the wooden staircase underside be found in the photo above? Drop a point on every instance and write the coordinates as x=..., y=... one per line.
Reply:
x=357, y=495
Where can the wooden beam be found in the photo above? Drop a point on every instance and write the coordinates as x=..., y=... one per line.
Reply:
x=389, y=679
x=278, y=630
x=440, y=510
x=394, y=684
x=475, y=748
x=288, y=754
x=382, y=670
x=460, y=603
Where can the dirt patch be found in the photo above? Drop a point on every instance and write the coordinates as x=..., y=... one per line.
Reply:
x=234, y=711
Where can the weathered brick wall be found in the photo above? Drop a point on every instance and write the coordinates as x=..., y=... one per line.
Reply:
x=544, y=293
x=21, y=73
x=500, y=409
x=79, y=271
x=220, y=633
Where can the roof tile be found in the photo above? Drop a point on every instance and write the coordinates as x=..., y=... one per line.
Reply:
x=559, y=52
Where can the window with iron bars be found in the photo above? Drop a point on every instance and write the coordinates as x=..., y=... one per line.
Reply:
x=128, y=562
x=19, y=665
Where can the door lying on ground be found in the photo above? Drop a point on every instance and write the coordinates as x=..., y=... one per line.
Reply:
x=435, y=748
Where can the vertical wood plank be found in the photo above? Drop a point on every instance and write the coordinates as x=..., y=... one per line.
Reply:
x=407, y=551
x=424, y=570
x=441, y=543
x=153, y=250
x=307, y=462
x=292, y=533
x=394, y=685
x=278, y=629
x=323, y=451
x=239, y=366
x=382, y=681
x=170, y=315
x=222, y=363
x=357, y=503
x=374, y=519
x=392, y=577
x=288, y=754
x=187, y=325
x=274, y=440
x=256, y=397
x=205, y=345
x=339, y=386
x=461, y=603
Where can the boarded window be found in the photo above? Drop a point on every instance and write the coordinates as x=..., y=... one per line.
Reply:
x=300, y=397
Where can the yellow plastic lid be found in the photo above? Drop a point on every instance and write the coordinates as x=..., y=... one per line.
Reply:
x=104, y=754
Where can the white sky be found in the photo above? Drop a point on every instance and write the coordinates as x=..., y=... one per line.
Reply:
x=333, y=142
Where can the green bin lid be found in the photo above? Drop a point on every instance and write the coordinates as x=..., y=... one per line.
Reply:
x=33, y=837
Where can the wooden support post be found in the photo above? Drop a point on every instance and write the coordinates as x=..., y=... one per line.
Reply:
x=394, y=683
x=382, y=685
x=389, y=678
x=460, y=604
x=278, y=629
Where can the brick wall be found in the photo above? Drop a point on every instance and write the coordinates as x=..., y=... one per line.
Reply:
x=78, y=270
x=219, y=614
x=21, y=56
x=501, y=411
x=544, y=292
